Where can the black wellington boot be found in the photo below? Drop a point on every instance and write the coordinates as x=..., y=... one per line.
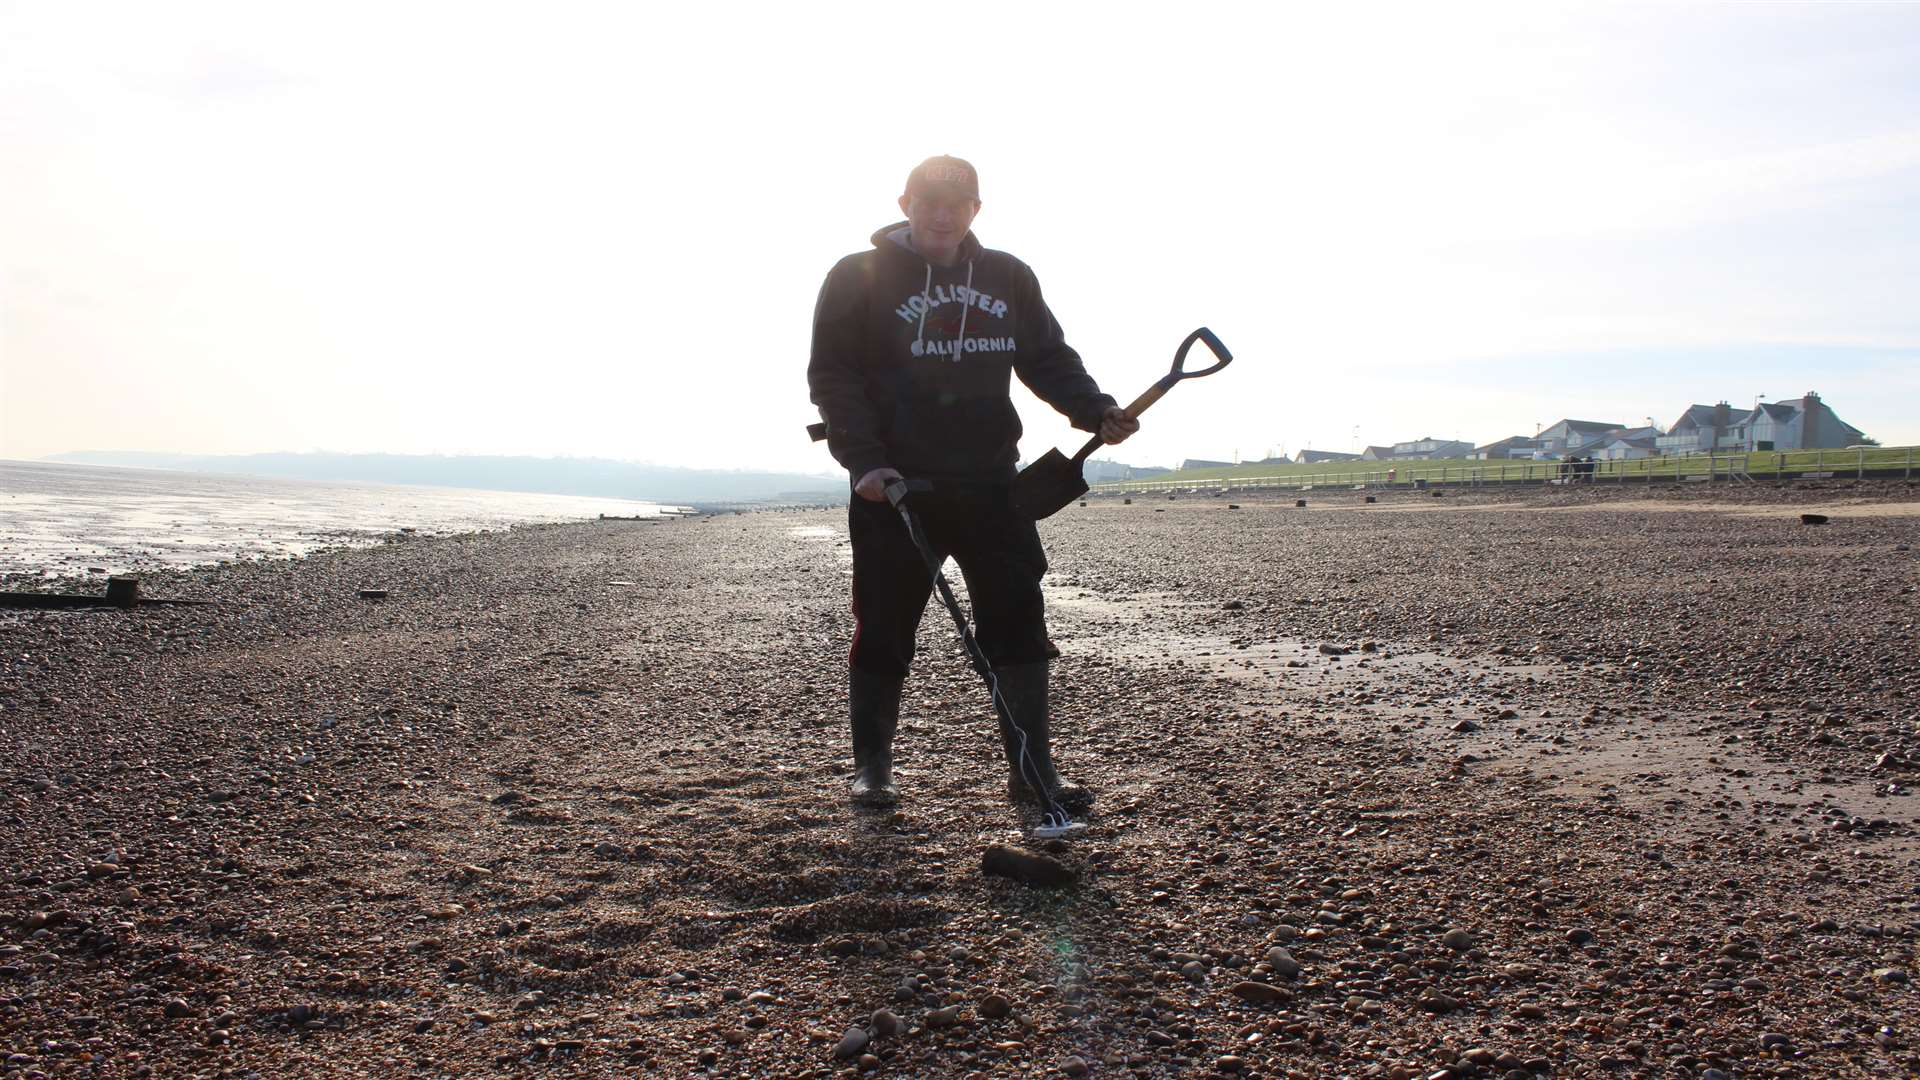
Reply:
x=874, y=704
x=1024, y=688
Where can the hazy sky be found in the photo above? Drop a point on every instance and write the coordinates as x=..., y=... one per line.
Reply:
x=574, y=229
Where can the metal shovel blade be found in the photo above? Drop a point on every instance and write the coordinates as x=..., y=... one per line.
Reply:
x=1045, y=487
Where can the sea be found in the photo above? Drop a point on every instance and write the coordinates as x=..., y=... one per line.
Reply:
x=60, y=520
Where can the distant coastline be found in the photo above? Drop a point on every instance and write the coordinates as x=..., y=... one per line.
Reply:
x=79, y=521
x=597, y=477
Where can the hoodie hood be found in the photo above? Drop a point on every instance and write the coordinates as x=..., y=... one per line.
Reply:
x=899, y=235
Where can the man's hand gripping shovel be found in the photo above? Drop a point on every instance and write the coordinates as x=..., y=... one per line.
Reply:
x=1054, y=819
x=1045, y=487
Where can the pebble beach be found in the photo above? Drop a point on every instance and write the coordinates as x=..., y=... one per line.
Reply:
x=1568, y=783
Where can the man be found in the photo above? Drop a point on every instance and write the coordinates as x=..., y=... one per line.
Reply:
x=914, y=344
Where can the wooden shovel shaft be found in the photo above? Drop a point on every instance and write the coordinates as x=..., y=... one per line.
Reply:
x=1140, y=404
x=1154, y=393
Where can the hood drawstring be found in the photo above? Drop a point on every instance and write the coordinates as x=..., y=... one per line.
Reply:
x=960, y=339
x=926, y=305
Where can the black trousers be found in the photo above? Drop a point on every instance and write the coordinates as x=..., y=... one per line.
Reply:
x=1000, y=558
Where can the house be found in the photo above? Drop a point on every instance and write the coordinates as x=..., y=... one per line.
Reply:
x=1514, y=448
x=1620, y=448
x=1377, y=453
x=1102, y=472
x=1199, y=463
x=1423, y=449
x=1803, y=424
x=1568, y=436
x=1706, y=427
x=1314, y=457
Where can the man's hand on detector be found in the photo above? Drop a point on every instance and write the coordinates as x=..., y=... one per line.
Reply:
x=873, y=486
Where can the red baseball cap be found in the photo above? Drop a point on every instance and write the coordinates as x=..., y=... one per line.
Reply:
x=944, y=173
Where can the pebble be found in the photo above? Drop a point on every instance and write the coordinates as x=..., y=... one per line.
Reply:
x=944, y=1017
x=1261, y=993
x=852, y=1044
x=1457, y=940
x=1282, y=962
x=994, y=1006
x=1074, y=1066
x=887, y=1023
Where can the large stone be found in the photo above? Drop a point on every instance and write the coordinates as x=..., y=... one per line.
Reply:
x=1029, y=867
x=852, y=1044
x=1261, y=993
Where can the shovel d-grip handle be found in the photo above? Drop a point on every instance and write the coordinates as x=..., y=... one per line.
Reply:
x=1159, y=389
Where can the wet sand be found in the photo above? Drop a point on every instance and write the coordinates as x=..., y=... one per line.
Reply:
x=1580, y=789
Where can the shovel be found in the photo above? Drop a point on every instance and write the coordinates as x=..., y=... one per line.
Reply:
x=1045, y=487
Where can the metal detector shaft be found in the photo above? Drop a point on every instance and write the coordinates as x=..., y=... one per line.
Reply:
x=1055, y=819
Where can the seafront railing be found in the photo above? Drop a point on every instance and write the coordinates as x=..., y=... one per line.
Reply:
x=1878, y=462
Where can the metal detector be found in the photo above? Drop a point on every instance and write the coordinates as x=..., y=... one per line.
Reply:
x=1054, y=819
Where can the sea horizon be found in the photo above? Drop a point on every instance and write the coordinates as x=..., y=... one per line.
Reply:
x=62, y=519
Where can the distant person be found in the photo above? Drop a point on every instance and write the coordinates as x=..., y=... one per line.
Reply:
x=915, y=342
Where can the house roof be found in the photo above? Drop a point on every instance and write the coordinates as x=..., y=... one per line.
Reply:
x=1586, y=425
x=1638, y=442
x=1702, y=415
x=1780, y=410
x=1511, y=440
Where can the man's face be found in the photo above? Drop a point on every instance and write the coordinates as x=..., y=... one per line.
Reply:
x=940, y=220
